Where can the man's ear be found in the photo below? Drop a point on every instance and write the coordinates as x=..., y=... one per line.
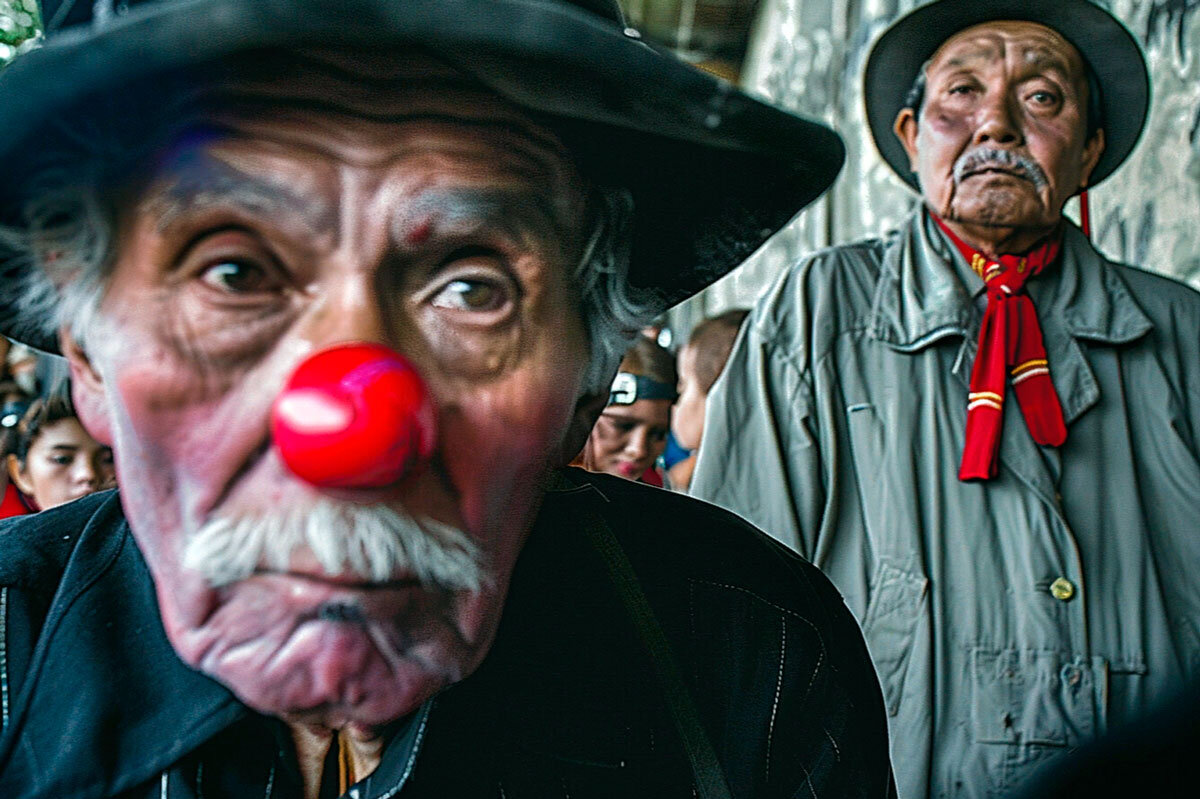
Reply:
x=583, y=419
x=1091, y=156
x=905, y=127
x=87, y=389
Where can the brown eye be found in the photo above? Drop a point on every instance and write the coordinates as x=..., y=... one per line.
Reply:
x=473, y=295
x=238, y=277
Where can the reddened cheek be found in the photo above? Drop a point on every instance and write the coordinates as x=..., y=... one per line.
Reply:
x=92, y=410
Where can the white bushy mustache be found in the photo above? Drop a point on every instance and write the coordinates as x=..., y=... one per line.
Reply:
x=372, y=542
x=985, y=157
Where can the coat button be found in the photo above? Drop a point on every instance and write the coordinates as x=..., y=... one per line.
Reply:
x=1062, y=588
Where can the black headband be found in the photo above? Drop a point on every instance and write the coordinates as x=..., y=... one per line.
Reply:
x=628, y=388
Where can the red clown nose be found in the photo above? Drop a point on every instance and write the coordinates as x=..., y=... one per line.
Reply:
x=354, y=416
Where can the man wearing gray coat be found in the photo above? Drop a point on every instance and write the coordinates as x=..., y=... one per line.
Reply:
x=983, y=430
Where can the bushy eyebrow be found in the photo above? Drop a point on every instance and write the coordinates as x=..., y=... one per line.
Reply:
x=527, y=216
x=1045, y=61
x=200, y=182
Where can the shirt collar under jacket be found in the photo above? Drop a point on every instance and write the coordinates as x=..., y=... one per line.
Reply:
x=921, y=296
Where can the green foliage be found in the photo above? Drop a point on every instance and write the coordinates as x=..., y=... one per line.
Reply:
x=20, y=22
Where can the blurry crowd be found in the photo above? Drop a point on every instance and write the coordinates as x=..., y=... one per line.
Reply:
x=48, y=458
x=651, y=427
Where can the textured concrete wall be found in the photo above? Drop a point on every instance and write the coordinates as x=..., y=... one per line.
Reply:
x=808, y=55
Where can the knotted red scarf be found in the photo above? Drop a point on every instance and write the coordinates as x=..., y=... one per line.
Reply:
x=1010, y=343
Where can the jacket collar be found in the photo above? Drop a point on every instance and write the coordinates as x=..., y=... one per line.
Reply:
x=920, y=298
x=104, y=682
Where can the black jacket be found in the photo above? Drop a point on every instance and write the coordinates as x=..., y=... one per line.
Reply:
x=95, y=702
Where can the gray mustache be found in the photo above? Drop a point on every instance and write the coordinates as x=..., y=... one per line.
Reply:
x=372, y=542
x=988, y=157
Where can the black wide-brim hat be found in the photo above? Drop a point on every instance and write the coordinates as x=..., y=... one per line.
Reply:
x=1109, y=50
x=713, y=172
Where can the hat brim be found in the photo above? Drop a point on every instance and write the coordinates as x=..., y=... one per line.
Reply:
x=1108, y=49
x=713, y=172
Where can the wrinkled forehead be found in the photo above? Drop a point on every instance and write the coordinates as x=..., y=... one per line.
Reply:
x=278, y=113
x=383, y=87
x=1029, y=43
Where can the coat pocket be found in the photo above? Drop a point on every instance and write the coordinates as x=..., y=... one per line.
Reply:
x=1042, y=697
x=898, y=599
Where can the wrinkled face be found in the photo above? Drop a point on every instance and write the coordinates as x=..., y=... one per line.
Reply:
x=1001, y=137
x=628, y=438
x=414, y=211
x=63, y=463
x=687, y=418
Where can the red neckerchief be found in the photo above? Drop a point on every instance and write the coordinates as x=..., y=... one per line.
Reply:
x=1010, y=343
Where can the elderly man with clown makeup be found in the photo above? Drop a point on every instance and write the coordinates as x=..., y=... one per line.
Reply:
x=344, y=286
x=984, y=431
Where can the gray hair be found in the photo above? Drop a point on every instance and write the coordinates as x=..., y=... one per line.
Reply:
x=66, y=239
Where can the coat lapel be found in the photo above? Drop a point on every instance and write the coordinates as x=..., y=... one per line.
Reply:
x=1084, y=300
x=108, y=705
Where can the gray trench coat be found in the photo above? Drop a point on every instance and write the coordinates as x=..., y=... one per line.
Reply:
x=1008, y=620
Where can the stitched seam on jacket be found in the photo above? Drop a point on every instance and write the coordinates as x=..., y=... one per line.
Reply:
x=820, y=655
x=778, y=691
x=761, y=599
x=3, y=657
x=837, y=751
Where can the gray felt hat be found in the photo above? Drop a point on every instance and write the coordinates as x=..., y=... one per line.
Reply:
x=1108, y=48
x=713, y=171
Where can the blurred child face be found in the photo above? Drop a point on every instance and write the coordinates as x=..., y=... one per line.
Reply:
x=63, y=463
x=687, y=421
x=627, y=439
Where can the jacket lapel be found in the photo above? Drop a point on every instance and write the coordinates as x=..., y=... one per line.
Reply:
x=107, y=704
x=918, y=299
x=1084, y=299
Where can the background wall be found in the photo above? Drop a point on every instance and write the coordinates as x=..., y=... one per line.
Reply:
x=808, y=55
